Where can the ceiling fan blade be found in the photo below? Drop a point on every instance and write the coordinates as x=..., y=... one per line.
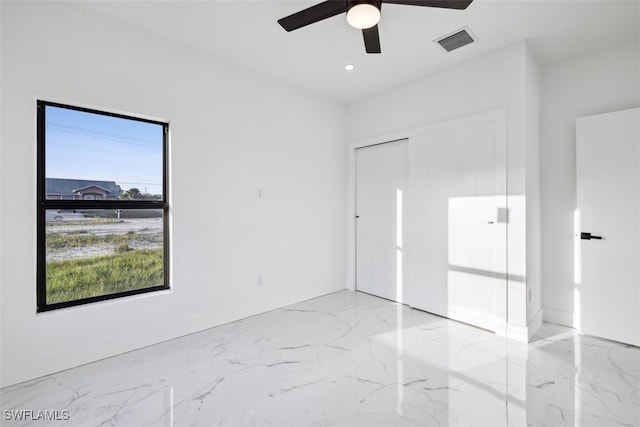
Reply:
x=371, y=39
x=316, y=13
x=445, y=4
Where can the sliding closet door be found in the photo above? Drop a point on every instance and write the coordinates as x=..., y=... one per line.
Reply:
x=456, y=225
x=381, y=182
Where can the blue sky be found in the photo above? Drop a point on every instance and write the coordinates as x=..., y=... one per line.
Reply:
x=83, y=145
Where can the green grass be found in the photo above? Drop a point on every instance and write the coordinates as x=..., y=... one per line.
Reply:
x=79, y=238
x=74, y=279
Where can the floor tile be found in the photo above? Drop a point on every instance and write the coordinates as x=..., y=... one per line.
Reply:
x=347, y=359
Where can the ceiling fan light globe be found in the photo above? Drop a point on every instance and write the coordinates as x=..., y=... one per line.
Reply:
x=363, y=16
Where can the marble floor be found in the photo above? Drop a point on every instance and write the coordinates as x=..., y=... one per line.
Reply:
x=347, y=359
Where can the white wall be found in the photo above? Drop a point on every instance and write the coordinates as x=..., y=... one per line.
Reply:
x=533, y=190
x=486, y=83
x=491, y=82
x=597, y=82
x=2, y=317
x=231, y=131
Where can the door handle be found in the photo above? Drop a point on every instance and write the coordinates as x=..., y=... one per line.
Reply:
x=589, y=236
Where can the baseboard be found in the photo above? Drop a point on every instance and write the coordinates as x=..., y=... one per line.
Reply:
x=535, y=323
x=558, y=317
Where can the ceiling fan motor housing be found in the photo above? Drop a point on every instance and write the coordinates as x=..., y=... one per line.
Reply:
x=376, y=3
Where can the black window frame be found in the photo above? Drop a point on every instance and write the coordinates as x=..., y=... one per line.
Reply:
x=44, y=204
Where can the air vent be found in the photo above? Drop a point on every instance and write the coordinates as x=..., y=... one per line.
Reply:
x=456, y=39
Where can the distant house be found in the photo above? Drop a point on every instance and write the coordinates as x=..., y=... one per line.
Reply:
x=81, y=189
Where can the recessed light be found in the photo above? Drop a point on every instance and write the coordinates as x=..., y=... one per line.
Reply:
x=349, y=67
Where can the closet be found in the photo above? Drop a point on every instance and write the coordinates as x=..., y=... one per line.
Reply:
x=431, y=221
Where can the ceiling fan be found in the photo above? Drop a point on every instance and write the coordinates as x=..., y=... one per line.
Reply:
x=361, y=14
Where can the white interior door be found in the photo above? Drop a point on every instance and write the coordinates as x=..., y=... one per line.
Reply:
x=457, y=217
x=381, y=181
x=607, y=294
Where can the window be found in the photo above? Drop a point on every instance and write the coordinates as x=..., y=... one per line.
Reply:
x=102, y=215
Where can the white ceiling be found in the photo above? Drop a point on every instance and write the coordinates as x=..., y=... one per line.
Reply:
x=246, y=33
